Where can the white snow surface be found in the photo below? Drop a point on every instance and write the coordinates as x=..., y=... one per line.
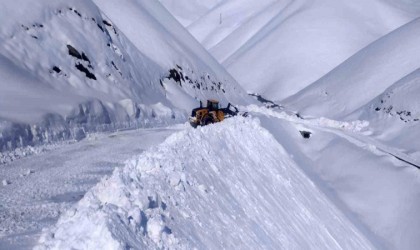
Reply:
x=373, y=183
x=362, y=77
x=346, y=72
x=188, y=11
x=31, y=98
x=37, y=189
x=70, y=67
x=227, y=185
x=395, y=115
x=277, y=48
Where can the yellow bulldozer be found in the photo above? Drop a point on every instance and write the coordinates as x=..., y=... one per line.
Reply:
x=211, y=114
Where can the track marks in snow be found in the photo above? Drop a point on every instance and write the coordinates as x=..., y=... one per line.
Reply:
x=355, y=126
x=341, y=129
x=41, y=187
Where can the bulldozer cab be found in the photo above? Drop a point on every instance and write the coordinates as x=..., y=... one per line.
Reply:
x=212, y=113
x=213, y=105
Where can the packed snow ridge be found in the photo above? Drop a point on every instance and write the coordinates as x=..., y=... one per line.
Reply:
x=353, y=126
x=228, y=185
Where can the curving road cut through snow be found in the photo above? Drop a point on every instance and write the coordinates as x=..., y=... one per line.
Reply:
x=227, y=185
x=41, y=187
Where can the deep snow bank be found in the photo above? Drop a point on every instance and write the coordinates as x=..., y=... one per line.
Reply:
x=354, y=126
x=228, y=185
x=379, y=193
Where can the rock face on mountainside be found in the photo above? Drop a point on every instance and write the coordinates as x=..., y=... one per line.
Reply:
x=337, y=59
x=70, y=67
x=364, y=76
x=277, y=48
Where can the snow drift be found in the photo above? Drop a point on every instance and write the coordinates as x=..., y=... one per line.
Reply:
x=72, y=67
x=228, y=185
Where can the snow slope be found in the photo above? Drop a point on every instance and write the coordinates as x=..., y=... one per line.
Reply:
x=187, y=11
x=276, y=48
x=207, y=188
x=379, y=193
x=88, y=68
x=33, y=97
x=362, y=77
x=395, y=115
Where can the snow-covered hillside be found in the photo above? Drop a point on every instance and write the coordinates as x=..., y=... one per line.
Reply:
x=188, y=11
x=395, y=114
x=325, y=155
x=378, y=84
x=364, y=76
x=376, y=184
x=70, y=67
x=276, y=48
x=207, y=188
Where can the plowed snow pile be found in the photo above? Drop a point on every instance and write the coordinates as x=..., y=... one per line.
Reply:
x=228, y=185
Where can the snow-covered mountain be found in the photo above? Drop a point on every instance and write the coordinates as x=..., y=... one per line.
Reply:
x=321, y=58
x=188, y=11
x=364, y=76
x=377, y=84
x=74, y=66
x=328, y=161
x=395, y=114
x=277, y=48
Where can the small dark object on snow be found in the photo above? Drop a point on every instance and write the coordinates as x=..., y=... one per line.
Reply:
x=177, y=76
x=56, y=69
x=86, y=71
x=73, y=52
x=106, y=23
x=305, y=134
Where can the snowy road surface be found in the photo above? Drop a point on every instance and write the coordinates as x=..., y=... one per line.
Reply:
x=43, y=186
x=229, y=185
x=244, y=183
